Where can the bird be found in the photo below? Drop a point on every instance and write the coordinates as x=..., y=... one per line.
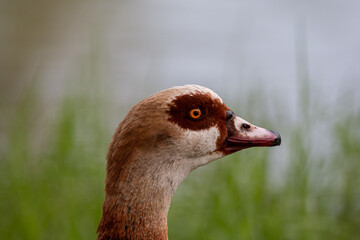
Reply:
x=156, y=146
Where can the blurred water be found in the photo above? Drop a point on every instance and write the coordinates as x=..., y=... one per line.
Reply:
x=230, y=46
x=135, y=48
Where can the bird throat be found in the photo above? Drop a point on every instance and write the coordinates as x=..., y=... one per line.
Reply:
x=137, y=199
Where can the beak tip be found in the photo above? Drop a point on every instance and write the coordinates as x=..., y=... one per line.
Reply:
x=277, y=140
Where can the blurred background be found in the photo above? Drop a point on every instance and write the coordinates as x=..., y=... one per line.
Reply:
x=70, y=71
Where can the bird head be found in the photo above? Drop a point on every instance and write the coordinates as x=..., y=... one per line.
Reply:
x=190, y=124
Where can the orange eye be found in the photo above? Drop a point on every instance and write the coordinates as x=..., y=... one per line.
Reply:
x=195, y=113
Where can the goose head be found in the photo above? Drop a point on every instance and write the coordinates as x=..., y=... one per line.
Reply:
x=159, y=142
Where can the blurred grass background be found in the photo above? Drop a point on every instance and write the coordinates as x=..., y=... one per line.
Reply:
x=55, y=127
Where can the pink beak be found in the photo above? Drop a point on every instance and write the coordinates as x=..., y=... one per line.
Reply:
x=242, y=134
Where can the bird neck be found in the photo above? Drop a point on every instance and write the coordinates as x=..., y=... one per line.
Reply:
x=133, y=219
x=138, y=194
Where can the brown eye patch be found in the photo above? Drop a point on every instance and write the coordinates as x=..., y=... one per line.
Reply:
x=213, y=112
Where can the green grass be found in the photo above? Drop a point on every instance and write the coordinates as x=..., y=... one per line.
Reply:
x=56, y=190
x=52, y=181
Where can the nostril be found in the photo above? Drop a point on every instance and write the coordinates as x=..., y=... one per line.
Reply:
x=245, y=126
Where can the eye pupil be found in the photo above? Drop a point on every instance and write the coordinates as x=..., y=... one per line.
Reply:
x=196, y=113
x=245, y=126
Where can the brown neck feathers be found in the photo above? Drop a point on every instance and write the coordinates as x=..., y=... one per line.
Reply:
x=135, y=205
x=123, y=221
